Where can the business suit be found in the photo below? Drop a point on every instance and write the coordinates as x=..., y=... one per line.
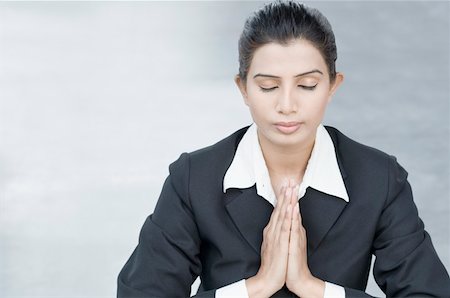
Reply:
x=196, y=229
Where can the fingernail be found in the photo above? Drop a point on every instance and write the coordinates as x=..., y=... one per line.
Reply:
x=288, y=191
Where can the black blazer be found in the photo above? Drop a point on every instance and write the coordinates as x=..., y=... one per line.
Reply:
x=197, y=230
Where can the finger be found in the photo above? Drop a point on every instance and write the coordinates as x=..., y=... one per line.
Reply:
x=299, y=216
x=279, y=208
x=284, y=184
x=284, y=215
x=271, y=226
x=286, y=230
x=294, y=197
x=280, y=194
x=279, y=198
x=296, y=219
x=291, y=182
x=276, y=212
x=294, y=239
x=301, y=228
x=285, y=202
x=302, y=231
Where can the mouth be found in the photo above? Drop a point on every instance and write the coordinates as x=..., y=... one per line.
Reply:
x=287, y=127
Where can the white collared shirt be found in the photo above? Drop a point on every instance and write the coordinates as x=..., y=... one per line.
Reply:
x=249, y=168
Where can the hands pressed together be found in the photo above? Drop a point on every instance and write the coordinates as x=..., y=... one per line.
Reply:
x=283, y=252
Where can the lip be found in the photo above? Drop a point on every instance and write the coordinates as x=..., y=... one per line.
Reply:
x=287, y=127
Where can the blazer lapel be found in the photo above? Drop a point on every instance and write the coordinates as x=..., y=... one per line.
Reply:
x=319, y=212
x=250, y=213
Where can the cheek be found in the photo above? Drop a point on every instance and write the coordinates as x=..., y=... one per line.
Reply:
x=252, y=88
x=258, y=100
x=260, y=106
x=316, y=102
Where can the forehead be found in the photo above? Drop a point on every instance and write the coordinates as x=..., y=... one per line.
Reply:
x=295, y=57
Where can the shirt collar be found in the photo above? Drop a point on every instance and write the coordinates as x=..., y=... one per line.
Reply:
x=249, y=167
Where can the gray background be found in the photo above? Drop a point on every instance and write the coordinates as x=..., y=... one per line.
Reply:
x=97, y=99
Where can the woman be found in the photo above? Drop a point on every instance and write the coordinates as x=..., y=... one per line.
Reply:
x=285, y=207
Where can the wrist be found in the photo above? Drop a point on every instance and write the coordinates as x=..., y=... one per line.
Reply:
x=311, y=288
x=258, y=287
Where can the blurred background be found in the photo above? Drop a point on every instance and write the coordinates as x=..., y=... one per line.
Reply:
x=98, y=98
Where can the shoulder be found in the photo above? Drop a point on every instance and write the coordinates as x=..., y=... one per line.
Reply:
x=354, y=153
x=224, y=148
x=215, y=157
x=202, y=171
x=347, y=146
x=367, y=166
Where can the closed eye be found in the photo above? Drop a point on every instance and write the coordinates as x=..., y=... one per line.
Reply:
x=268, y=89
x=308, y=87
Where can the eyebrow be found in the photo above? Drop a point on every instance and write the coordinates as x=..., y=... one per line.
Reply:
x=299, y=75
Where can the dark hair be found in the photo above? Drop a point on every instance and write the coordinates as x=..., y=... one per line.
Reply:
x=282, y=22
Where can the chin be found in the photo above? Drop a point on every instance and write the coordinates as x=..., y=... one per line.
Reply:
x=287, y=140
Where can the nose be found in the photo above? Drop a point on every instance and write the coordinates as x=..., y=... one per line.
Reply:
x=286, y=103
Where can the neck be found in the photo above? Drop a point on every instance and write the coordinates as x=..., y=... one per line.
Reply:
x=286, y=161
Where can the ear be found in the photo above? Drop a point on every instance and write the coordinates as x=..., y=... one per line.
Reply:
x=337, y=82
x=242, y=88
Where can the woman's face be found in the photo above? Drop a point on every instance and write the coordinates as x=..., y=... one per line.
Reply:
x=287, y=91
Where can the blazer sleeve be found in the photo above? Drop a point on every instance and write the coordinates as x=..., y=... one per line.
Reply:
x=166, y=261
x=406, y=262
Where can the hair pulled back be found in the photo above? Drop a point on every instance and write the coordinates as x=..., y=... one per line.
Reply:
x=282, y=22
